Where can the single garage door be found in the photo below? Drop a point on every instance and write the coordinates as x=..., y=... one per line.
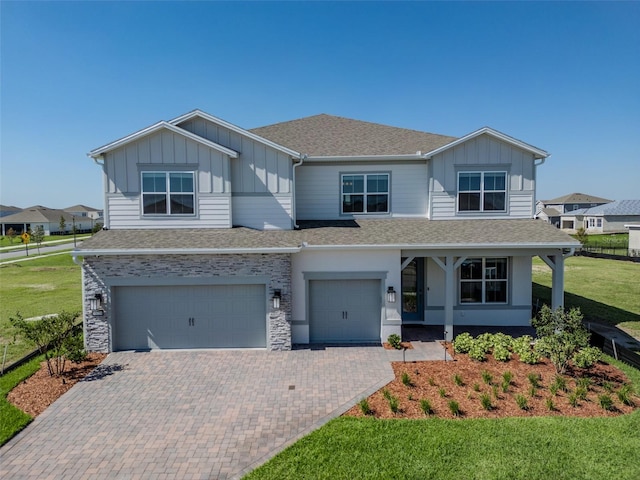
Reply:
x=344, y=311
x=194, y=316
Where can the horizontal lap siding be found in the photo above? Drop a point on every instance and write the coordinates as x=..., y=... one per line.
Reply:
x=213, y=212
x=318, y=189
x=263, y=212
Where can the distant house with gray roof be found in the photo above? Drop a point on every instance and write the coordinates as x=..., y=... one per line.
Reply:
x=8, y=210
x=553, y=211
x=608, y=218
x=49, y=218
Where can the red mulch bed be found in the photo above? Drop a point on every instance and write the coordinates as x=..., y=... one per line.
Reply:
x=427, y=378
x=40, y=390
x=404, y=345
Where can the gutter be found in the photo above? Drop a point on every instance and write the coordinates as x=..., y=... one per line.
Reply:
x=443, y=246
x=180, y=251
x=293, y=190
x=365, y=158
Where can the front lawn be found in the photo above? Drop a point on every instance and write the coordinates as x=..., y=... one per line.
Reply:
x=34, y=288
x=510, y=448
x=17, y=242
x=605, y=290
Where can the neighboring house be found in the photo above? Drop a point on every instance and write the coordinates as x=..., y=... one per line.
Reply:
x=30, y=218
x=8, y=210
x=84, y=211
x=609, y=218
x=317, y=230
x=552, y=211
x=634, y=240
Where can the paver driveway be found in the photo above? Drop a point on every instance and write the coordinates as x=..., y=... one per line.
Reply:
x=194, y=414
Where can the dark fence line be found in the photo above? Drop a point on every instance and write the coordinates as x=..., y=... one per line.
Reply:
x=600, y=252
x=615, y=350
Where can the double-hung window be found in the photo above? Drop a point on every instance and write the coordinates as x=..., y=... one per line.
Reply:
x=482, y=191
x=484, y=280
x=365, y=193
x=168, y=193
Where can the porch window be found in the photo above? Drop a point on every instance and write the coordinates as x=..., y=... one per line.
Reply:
x=365, y=193
x=484, y=280
x=482, y=191
x=168, y=193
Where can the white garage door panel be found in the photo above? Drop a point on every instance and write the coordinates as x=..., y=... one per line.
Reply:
x=344, y=311
x=224, y=316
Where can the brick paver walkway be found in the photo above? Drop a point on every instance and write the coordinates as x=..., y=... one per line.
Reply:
x=195, y=414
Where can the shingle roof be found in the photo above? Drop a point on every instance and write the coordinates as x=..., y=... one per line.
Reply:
x=328, y=135
x=400, y=233
x=80, y=208
x=619, y=207
x=551, y=212
x=37, y=214
x=576, y=198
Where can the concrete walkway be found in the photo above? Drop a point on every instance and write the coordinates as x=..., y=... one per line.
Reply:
x=196, y=414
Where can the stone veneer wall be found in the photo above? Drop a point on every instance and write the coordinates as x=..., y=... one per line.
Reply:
x=98, y=270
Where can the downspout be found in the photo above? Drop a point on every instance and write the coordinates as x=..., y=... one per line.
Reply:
x=535, y=181
x=293, y=190
x=97, y=159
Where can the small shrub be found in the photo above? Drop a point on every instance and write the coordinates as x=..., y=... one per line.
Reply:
x=521, y=346
x=476, y=387
x=553, y=388
x=494, y=389
x=393, y=404
x=586, y=357
x=583, y=382
x=406, y=379
x=442, y=392
x=365, y=408
x=608, y=386
x=454, y=408
x=533, y=391
x=505, y=386
x=605, y=401
x=477, y=352
x=521, y=400
x=394, y=341
x=560, y=383
x=550, y=405
x=457, y=379
x=581, y=393
x=501, y=353
x=487, y=377
x=530, y=357
x=573, y=399
x=462, y=343
x=386, y=394
x=507, y=377
x=425, y=406
x=485, y=341
x=502, y=340
x=431, y=381
x=625, y=394
x=410, y=397
x=485, y=400
x=534, y=379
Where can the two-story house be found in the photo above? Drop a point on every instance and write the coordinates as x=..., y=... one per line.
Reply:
x=317, y=230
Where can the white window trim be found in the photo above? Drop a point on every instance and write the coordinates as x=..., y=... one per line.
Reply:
x=484, y=281
x=482, y=191
x=365, y=193
x=168, y=192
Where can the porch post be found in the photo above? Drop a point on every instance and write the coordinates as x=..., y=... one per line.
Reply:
x=557, y=283
x=450, y=288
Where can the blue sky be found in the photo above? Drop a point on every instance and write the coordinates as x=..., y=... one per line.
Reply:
x=564, y=77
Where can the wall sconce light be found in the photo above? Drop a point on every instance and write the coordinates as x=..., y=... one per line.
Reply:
x=277, y=295
x=95, y=304
x=391, y=295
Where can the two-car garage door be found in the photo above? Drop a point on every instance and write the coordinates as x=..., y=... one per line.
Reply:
x=194, y=316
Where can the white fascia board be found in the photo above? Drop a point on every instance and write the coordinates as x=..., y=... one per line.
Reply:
x=155, y=128
x=181, y=251
x=445, y=246
x=234, y=128
x=539, y=153
x=366, y=158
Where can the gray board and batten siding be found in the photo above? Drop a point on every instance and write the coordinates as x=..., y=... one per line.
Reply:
x=483, y=153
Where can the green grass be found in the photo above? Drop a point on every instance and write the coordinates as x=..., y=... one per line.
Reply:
x=512, y=448
x=33, y=288
x=605, y=290
x=12, y=419
x=608, y=240
x=17, y=242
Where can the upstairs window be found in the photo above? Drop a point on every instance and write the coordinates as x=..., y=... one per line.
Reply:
x=482, y=191
x=483, y=280
x=365, y=193
x=168, y=193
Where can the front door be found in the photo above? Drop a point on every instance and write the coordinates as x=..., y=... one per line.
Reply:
x=413, y=290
